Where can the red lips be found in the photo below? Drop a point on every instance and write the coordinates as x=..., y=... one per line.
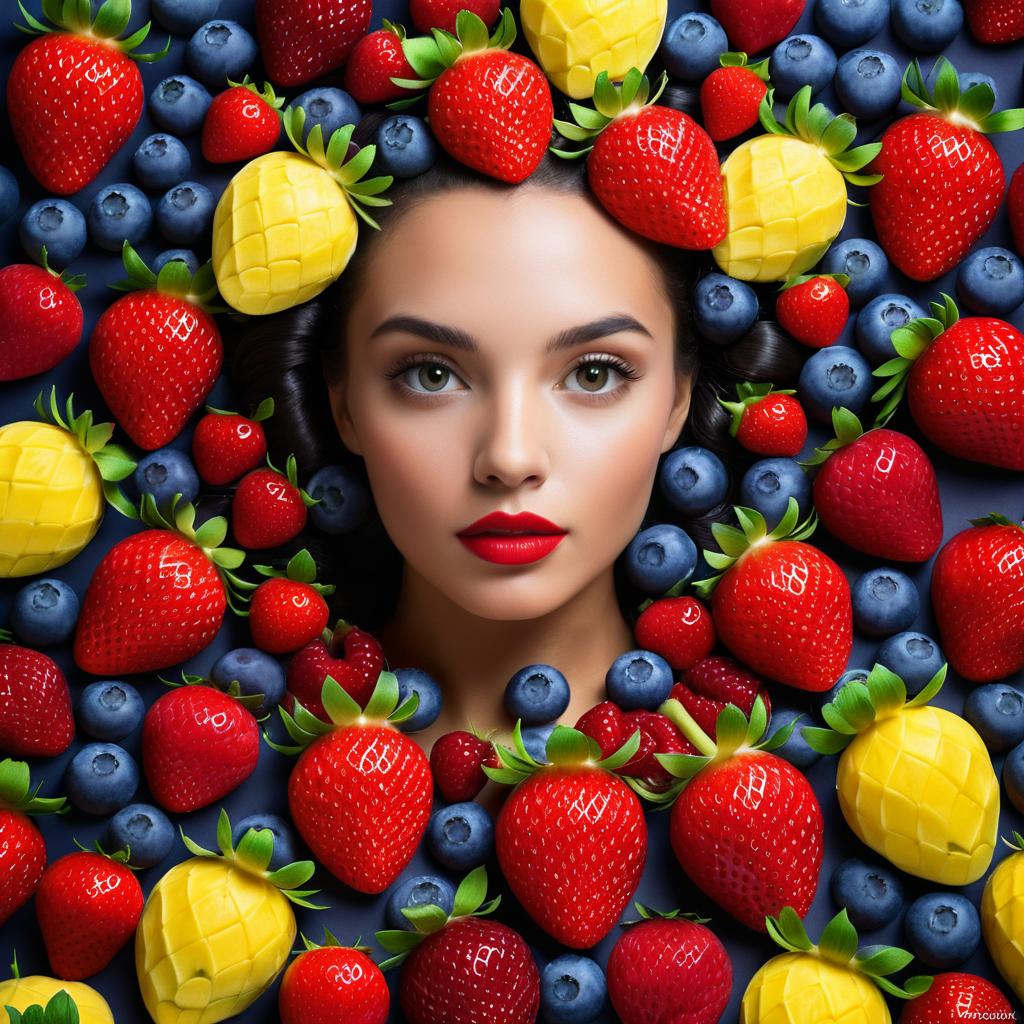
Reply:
x=507, y=539
x=505, y=522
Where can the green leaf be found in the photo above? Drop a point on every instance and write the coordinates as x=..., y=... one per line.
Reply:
x=838, y=941
x=977, y=102
x=338, y=703
x=1003, y=121
x=930, y=689
x=471, y=892
x=947, y=86
x=840, y=132
x=291, y=876
x=424, y=57
x=624, y=754
x=224, y=843
x=887, y=960
x=112, y=18
x=824, y=741
x=426, y=918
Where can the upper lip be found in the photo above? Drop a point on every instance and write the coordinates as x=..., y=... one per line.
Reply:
x=506, y=522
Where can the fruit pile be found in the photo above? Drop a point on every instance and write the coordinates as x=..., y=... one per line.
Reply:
x=826, y=688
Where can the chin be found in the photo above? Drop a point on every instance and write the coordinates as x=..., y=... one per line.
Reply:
x=518, y=597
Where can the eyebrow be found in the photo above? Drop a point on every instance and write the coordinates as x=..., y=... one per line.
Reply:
x=454, y=337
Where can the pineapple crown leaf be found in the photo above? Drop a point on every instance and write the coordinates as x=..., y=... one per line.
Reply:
x=301, y=568
x=748, y=393
x=17, y=793
x=249, y=701
x=733, y=59
x=262, y=412
x=842, y=280
x=59, y=1009
x=847, y=429
x=650, y=914
x=972, y=107
x=266, y=94
x=1017, y=844
x=111, y=20
x=199, y=289
x=73, y=283
x=996, y=519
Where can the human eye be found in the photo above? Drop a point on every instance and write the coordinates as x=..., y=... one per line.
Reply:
x=600, y=375
x=424, y=375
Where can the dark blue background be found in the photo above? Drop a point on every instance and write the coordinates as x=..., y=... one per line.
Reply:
x=967, y=490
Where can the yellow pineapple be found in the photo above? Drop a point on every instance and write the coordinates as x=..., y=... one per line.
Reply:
x=830, y=983
x=915, y=782
x=286, y=226
x=785, y=192
x=1002, y=916
x=217, y=930
x=575, y=40
x=54, y=476
x=38, y=990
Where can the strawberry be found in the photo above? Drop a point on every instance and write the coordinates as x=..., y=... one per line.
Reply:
x=942, y=180
x=375, y=60
x=814, y=308
x=666, y=962
x=978, y=596
x=330, y=983
x=457, y=762
x=730, y=97
x=75, y=94
x=680, y=629
x=361, y=791
x=40, y=318
x=430, y=14
x=225, y=445
x=242, y=123
x=22, y=849
x=269, y=507
x=303, y=39
x=955, y=998
x=461, y=968
x=35, y=703
x=654, y=169
x=754, y=25
x=157, y=598
x=1015, y=208
x=877, y=492
x=288, y=609
x=199, y=743
x=714, y=682
x=88, y=905
x=156, y=352
x=491, y=109
x=765, y=421
x=995, y=21
x=963, y=379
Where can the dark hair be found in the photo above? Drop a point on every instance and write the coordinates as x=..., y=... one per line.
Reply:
x=287, y=355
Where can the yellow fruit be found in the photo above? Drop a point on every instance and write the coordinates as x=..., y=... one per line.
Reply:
x=1002, y=916
x=575, y=40
x=785, y=192
x=285, y=227
x=38, y=990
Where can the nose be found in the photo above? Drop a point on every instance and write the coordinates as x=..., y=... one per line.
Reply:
x=511, y=450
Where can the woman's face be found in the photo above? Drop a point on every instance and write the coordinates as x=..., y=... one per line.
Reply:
x=510, y=351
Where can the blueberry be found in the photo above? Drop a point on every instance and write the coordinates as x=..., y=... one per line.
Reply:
x=927, y=25
x=659, y=557
x=255, y=672
x=535, y=739
x=461, y=836
x=328, y=107
x=997, y=712
x=769, y=484
x=846, y=23
x=885, y=601
x=724, y=309
x=418, y=891
x=161, y=161
x=914, y=657
x=101, y=778
x=991, y=281
x=572, y=990
x=1013, y=776
x=405, y=146
x=344, y=499
x=10, y=195
x=796, y=749
x=878, y=319
x=59, y=226
x=692, y=45
x=185, y=213
x=943, y=929
x=285, y=846
x=110, y=710
x=220, y=50
x=693, y=480
x=179, y=104
x=833, y=377
x=119, y=213
x=186, y=256
x=184, y=16
x=414, y=680
x=537, y=694
x=863, y=262
x=639, y=679
x=871, y=893
x=801, y=60
x=164, y=473
x=868, y=83
x=45, y=612
x=145, y=831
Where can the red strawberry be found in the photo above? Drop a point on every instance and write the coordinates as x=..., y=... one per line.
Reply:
x=714, y=682
x=877, y=492
x=1015, y=208
x=156, y=353
x=40, y=318
x=489, y=108
x=35, y=703
x=995, y=21
x=22, y=849
x=978, y=597
x=457, y=762
x=767, y=422
x=654, y=169
x=375, y=60
x=680, y=629
x=666, y=963
x=75, y=94
x=963, y=379
x=303, y=39
x=288, y=609
x=814, y=308
x=730, y=97
x=269, y=507
x=431, y=14
x=754, y=25
x=330, y=983
x=361, y=792
x=88, y=905
x=956, y=998
x=242, y=123
x=942, y=180
x=157, y=597
x=225, y=445
x=463, y=968
x=780, y=605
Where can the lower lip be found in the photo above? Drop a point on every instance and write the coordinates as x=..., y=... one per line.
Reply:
x=512, y=549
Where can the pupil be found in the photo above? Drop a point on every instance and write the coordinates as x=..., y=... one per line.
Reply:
x=433, y=376
x=593, y=375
